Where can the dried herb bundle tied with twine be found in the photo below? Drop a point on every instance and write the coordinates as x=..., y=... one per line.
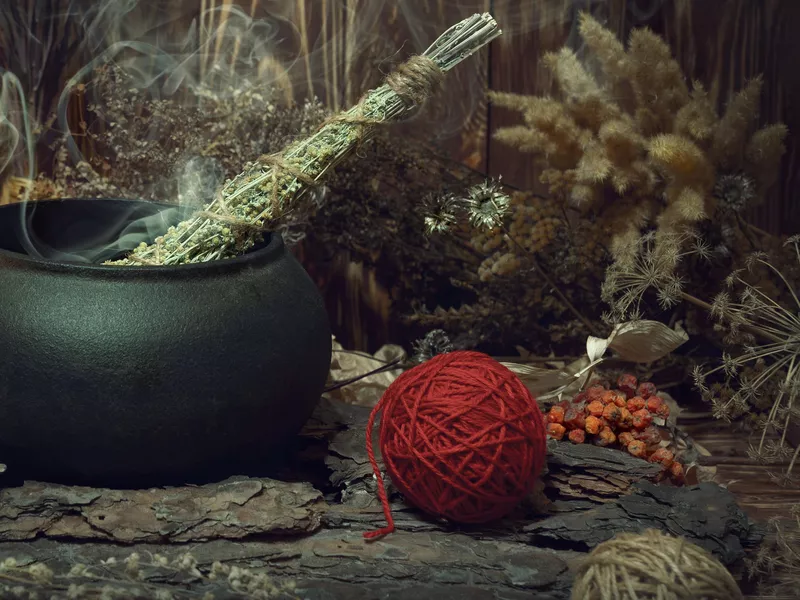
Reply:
x=275, y=187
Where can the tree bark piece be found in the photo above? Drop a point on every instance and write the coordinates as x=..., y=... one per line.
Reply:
x=233, y=509
x=706, y=515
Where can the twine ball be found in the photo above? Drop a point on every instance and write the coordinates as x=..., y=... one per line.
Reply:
x=652, y=565
x=461, y=437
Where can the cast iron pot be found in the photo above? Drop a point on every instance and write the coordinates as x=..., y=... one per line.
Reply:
x=141, y=376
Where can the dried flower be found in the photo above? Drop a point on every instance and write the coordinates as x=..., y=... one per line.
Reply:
x=735, y=192
x=650, y=264
x=434, y=343
x=139, y=576
x=487, y=204
x=776, y=563
x=441, y=213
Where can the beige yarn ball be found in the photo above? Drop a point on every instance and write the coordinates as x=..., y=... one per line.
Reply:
x=652, y=566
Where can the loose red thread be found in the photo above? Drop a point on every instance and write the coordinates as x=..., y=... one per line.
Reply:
x=461, y=437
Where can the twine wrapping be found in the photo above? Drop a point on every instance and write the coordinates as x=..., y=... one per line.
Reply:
x=652, y=566
x=416, y=80
x=461, y=437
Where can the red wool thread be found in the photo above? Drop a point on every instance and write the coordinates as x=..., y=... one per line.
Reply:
x=461, y=437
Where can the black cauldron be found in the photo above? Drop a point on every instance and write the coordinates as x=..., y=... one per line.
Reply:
x=142, y=376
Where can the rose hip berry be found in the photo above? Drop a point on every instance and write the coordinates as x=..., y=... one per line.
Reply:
x=642, y=419
x=627, y=383
x=637, y=448
x=625, y=438
x=575, y=418
x=556, y=415
x=652, y=403
x=556, y=431
x=593, y=425
x=577, y=436
x=596, y=408
x=646, y=389
x=636, y=403
x=663, y=456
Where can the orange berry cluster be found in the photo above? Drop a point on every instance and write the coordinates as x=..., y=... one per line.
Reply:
x=621, y=417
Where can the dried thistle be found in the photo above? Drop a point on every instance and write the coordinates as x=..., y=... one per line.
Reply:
x=487, y=204
x=735, y=192
x=441, y=213
x=434, y=343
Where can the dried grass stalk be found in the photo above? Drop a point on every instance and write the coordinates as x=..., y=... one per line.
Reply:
x=274, y=187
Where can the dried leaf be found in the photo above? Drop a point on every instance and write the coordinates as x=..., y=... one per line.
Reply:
x=596, y=347
x=696, y=474
x=549, y=384
x=350, y=364
x=645, y=341
x=674, y=409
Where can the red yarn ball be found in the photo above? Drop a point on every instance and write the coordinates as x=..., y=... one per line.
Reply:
x=461, y=437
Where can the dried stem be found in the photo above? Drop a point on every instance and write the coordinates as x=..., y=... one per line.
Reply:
x=757, y=331
x=544, y=275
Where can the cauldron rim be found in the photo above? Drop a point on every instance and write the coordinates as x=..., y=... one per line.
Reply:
x=270, y=250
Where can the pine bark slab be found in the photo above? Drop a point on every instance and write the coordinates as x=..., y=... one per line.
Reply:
x=235, y=508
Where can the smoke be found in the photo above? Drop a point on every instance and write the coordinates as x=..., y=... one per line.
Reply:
x=191, y=50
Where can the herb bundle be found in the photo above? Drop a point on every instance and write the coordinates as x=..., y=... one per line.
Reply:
x=274, y=187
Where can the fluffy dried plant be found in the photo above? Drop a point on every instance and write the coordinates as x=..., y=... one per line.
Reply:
x=776, y=563
x=638, y=147
x=172, y=148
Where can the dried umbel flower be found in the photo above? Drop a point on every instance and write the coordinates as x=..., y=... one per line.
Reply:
x=763, y=361
x=776, y=563
x=650, y=265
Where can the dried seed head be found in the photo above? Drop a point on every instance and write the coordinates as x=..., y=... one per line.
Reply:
x=487, y=204
x=734, y=191
x=434, y=343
